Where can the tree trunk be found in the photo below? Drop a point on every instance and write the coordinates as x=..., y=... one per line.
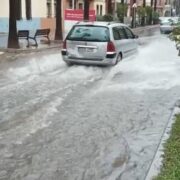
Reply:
x=86, y=10
x=150, y=19
x=12, y=38
x=155, y=5
x=58, y=33
x=109, y=7
x=143, y=18
x=122, y=20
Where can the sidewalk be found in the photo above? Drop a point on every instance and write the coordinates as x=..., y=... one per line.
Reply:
x=141, y=31
x=42, y=45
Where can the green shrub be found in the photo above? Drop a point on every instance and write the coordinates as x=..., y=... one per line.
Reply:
x=99, y=18
x=122, y=11
x=155, y=16
x=108, y=17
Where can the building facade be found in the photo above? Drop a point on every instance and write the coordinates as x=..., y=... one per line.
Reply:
x=98, y=5
x=32, y=15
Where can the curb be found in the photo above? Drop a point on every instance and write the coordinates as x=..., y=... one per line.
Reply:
x=156, y=163
x=9, y=50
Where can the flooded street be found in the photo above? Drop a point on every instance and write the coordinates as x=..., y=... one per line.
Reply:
x=86, y=122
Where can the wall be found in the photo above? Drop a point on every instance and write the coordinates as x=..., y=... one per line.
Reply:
x=4, y=8
x=49, y=23
x=39, y=8
x=39, y=11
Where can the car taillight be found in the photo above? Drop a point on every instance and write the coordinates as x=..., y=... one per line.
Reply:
x=64, y=44
x=111, y=47
x=64, y=50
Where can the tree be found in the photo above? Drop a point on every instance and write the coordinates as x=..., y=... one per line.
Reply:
x=58, y=33
x=86, y=10
x=141, y=13
x=12, y=37
x=149, y=11
x=121, y=11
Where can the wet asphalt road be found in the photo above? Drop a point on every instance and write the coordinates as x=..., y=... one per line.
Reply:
x=85, y=123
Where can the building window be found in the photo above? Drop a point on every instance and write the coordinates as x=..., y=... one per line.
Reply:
x=28, y=10
x=80, y=5
x=19, y=10
x=97, y=9
x=49, y=10
x=101, y=9
x=72, y=4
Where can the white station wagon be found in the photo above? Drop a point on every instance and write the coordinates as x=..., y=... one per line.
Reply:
x=98, y=43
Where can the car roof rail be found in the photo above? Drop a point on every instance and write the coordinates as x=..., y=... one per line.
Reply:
x=78, y=22
x=83, y=21
x=113, y=22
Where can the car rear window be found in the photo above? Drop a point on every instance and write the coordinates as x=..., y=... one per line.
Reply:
x=166, y=23
x=89, y=33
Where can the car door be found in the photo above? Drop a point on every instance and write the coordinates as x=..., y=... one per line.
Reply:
x=120, y=40
x=132, y=42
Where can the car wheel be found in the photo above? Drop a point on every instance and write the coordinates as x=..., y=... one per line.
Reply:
x=118, y=59
x=69, y=63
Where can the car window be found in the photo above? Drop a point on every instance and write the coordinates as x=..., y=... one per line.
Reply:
x=116, y=34
x=119, y=33
x=122, y=33
x=129, y=34
x=89, y=33
x=165, y=23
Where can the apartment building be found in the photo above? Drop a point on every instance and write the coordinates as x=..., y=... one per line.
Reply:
x=31, y=14
x=98, y=5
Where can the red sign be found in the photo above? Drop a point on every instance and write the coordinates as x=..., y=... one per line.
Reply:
x=78, y=14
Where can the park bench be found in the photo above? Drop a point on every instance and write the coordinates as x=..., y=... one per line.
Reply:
x=24, y=34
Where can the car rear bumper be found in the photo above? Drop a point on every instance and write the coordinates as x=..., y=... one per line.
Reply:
x=105, y=61
x=166, y=30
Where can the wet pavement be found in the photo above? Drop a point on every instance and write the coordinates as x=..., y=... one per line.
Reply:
x=85, y=123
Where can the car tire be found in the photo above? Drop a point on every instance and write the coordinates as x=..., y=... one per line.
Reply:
x=118, y=59
x=69, y=63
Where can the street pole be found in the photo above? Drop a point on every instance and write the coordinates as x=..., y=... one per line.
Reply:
x=134, y=6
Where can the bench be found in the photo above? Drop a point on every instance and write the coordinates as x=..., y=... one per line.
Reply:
x=41, y=33
x=24, y=34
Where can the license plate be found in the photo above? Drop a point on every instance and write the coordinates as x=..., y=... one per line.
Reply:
x=89, y=49
x=83, y=49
